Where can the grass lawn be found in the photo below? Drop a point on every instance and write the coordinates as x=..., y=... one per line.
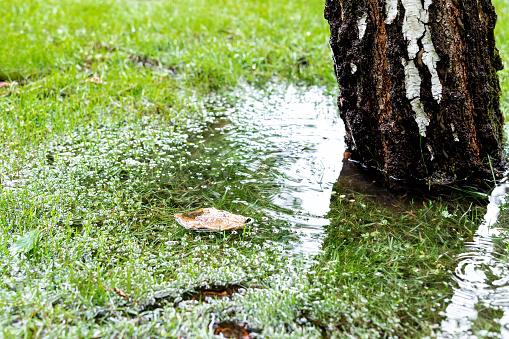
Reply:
x=96, y=157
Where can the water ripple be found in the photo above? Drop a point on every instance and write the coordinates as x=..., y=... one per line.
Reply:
x=482, y=277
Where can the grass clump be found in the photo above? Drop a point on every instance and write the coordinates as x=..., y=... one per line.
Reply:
x=391, y=265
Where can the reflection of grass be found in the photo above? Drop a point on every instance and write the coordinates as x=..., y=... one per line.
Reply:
x=90, y=164
x=484, y=326
x=396, y=260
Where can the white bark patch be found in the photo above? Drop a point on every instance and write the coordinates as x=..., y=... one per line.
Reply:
x=354, y=67
x=362, y=25
x=413, y=93
x=430, y=58
x=415, y=31
x=421, y=118
x=414, y=28
x=430, y=152
x=454, y=134
x=354, y=146
x=391, y=11
x=412, y=80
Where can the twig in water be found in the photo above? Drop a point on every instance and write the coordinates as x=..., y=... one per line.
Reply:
x=115, y=290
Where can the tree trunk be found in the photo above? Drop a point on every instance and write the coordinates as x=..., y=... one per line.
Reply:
x=419, y=90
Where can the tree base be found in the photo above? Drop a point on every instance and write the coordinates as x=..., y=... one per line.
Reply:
x=419, y=90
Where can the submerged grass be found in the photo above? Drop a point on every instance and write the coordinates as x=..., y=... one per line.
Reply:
x=100, y=169
x=399, y=255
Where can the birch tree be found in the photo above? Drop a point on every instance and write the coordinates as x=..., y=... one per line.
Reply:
x=419, y=90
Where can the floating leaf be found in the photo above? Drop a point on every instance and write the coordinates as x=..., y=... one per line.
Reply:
x=26, y=243
x=211, y=219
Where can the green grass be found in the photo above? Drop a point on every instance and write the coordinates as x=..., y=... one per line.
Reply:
x=100, y=169
x=149, y=53
x=399, y=254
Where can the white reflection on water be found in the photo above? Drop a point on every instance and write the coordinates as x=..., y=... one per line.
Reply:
x=482, y=277
x=298, y=132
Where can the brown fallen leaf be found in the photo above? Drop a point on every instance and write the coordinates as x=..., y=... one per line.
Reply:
x=95, y=80
x=214, y=294
x=13, y=84
x=231, y=330
x=211, y=219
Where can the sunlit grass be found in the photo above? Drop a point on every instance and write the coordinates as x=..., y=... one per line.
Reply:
x=148, y=53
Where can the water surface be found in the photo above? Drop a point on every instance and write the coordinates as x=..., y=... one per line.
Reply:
x=290, y=141
x=482, y=278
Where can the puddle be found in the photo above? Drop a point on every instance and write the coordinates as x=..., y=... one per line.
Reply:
x=290, y=142
x=272, y=155
x=482, y=278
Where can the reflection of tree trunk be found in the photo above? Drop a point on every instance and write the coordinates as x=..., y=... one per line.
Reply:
x=419, y=92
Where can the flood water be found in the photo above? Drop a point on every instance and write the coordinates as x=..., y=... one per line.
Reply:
x=298, y=138
x=482, y=278
x=290, y=141
x=278, y=152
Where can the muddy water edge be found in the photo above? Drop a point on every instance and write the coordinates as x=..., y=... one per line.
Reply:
x=362, y=265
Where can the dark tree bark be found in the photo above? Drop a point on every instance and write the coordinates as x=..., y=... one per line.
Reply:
x=419, y=90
